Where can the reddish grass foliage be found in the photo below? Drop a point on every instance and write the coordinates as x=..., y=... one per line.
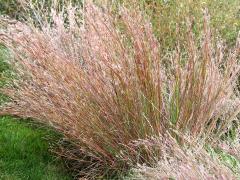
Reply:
x=104, y=86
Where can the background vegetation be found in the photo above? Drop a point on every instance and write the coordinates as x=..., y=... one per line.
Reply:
x=166, y=15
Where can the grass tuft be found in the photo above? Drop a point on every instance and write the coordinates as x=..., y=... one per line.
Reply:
x=100, y=80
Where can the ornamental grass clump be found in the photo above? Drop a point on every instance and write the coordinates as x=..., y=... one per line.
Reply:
x=99, y=80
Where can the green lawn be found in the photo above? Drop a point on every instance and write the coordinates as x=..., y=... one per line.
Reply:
x=24, y=152
x=25, y=147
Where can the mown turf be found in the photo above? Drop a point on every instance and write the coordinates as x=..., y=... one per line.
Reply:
x=25, y=147
x=24, y=152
